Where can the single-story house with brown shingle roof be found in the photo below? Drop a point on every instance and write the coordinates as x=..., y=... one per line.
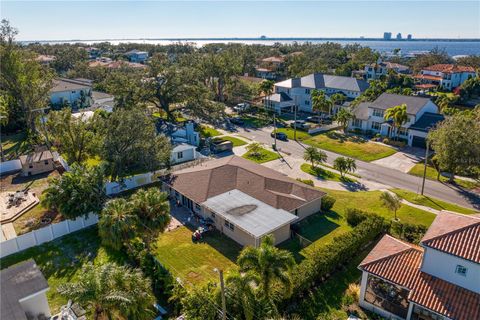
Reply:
x=245, y=200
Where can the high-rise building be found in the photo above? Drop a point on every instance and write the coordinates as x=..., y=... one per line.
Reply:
x=399, y=36
x=387, y=36
x=409, y=37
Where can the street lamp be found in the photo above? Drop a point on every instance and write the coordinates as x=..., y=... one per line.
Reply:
x=426, y=163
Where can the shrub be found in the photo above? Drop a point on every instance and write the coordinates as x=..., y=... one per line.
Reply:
x=323, y=260
x=355, y=216
x=327, y=203
x=408, y=231
x=306, y=181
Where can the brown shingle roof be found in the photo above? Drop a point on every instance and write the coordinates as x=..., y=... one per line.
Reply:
x=219, y=176
x=399, y=263
x=454, y=233
x=36, y=156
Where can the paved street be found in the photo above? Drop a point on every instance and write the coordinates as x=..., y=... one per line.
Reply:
x=377, y=173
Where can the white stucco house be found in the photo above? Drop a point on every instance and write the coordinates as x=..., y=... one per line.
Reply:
x=438, y=280
x=184, y=144
x=300, y=89
x=376, y=70
x=448, y=76
x=422, y=113
x=137, y=56
x=76, y=92
x=23, y=292
x=245, y=200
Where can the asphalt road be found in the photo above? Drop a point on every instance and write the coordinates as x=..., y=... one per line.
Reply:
x=380, y=174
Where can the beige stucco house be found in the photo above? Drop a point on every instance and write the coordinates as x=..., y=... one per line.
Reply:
x=37, y=162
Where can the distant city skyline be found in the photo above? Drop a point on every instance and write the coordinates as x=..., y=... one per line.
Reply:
x=92, y=20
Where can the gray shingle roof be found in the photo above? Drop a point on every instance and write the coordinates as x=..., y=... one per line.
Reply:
x=361, y=111
x=389, y=100
x=427, y=120
x=17, y=282
x=61, y=85
x=280, y=97
x=320, y=81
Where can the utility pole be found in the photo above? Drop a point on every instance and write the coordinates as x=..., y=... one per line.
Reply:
x=425, y=168
x=295, y=122
x=274, y=131
x=222, y=288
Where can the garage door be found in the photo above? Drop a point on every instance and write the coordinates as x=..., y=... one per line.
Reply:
x=418, y=142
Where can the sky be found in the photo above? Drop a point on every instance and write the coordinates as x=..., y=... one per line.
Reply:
x=95, y=20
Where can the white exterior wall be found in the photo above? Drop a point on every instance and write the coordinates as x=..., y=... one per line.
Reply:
x=36, y=304
x=71, y=96
x=442, y=265
x=429, y=107
x=412, y=133
x=187, y=155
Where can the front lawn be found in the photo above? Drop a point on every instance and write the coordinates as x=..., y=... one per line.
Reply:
x=351, y=146
x=324, y=174
x=431, y=202
x=236, y=142
x=255, y=122
x=61, y=260
x=432, y=174
x=208, y=132
x=301, y=135
x=192, y=261
x=262, y=156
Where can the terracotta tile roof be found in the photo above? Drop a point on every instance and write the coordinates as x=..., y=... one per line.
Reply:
x=449, y=68
x=456, y=234
x=218, y=176
x=399, y=263
x=427, y=77
x=274, y=59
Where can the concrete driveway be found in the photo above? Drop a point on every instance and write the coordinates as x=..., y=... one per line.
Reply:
x=403, y=160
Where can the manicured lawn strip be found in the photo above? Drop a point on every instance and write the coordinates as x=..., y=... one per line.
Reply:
x=350, y=146
x=431, y=202
x=61, y=260
x=350, y=173
x=265, y=156
x=236, y=142
x=301, y=135
x=432, y=174
x=208, y=132
x=324, y=173
x=194, y=262
x=255, y=122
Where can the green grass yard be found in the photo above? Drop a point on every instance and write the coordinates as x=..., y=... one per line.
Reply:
x=14, y=145
x=208, y=132
x=324, y=174
x=432, y=174
x=236, y=141
x=194, y=262
x=254, y=121
x=61, y=260
x=351, y=146
x=264, y=156
x=301, y=135
x=431, y=202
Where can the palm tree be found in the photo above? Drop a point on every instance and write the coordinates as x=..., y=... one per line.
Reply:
x=117, y=223
x=320, y=103
x=314, y=156
x=242, y=292
x=266, y=86
x=254, y=149
x=111, y=291
x=337, y=99
x=343, y=164
x=343, y=117
x=398, y=115
x=269, y=264
x=391, y=201
x=152, y=208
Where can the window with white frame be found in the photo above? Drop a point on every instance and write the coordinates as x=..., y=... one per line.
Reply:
x=307, y=102
x=376, y=125
x=461, y=270
x=378, y=113
x=307, y=91
x=229, y=225
x=357, y=123
x=179, y=155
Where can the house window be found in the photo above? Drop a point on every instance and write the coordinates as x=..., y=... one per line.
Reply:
x=213, y=215
x=74, y=91
x=357, y=123
x=307, y=102
x=378, y=113
x=461, y=270
x=46, y=162
x=229, y=225
x=180, y=155
x=402, y=131
x=307, y=91
x=375, y=125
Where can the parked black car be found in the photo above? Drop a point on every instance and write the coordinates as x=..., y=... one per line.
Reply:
x=280, y=136
x=237, y=121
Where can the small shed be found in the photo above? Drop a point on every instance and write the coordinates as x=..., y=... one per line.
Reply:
x=37, y=162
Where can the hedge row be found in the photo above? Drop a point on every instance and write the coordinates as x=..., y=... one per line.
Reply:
x=323, y=260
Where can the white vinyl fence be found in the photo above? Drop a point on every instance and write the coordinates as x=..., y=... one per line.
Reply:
x=45, y=234
x=10, y=166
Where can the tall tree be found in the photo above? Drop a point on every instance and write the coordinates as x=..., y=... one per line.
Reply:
x=266, y=87
x=117, y=223
x=343, y=117
x=456, y=142
x=338, y=98
x=269, y=264
x=151, y=206
x=77, y=192
x=344, y=164
x=320, y=103
x=131, y=143
x=398, y=115
x=314, y=156
x=242, y=293
x=111, y=291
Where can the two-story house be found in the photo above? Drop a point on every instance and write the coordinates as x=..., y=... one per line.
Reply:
x=447, y=76
x=300, y=89
x=137, y=56
x=438, y=280
x=376, y=70
x=422, y=116
x=269, y=68
x=76, y=92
